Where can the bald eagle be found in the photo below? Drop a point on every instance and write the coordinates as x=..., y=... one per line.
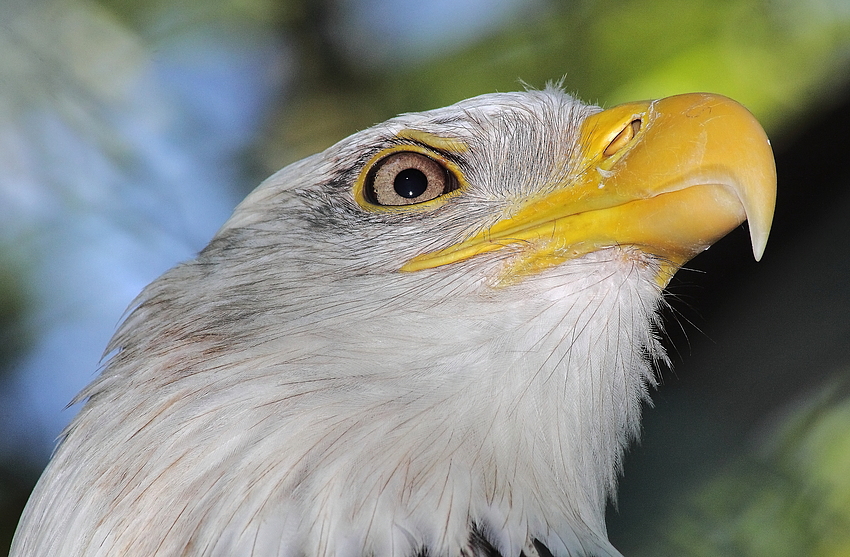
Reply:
x=432, y=339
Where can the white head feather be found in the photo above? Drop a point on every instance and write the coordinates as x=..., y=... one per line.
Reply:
x=289, y=392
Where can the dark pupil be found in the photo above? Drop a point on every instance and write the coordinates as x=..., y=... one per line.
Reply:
x=410, y=183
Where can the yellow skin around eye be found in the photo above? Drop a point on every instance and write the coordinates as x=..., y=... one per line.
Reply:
x=359, y=190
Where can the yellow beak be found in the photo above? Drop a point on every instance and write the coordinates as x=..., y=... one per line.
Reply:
x=669, y=177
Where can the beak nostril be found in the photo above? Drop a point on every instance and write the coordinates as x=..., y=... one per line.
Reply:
x=623, y=138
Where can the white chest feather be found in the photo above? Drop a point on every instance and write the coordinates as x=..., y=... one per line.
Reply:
x=501, y=413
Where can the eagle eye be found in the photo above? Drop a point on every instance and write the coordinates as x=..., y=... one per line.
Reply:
x=407, y=177
x=623, y=138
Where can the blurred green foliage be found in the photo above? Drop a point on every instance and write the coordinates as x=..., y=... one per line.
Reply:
x=788, y=498
x=777, y=58
x=15, y=300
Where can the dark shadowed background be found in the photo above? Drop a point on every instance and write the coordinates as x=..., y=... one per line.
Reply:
x=129, y=129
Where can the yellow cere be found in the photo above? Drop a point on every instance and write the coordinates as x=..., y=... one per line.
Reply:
x=600, y=131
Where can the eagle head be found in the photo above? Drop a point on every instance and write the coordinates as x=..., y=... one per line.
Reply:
x=432, y=339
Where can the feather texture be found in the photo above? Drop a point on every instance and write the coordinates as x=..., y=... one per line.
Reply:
x=290, y=393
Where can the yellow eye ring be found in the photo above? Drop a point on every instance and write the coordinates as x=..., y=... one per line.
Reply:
x=366, y=197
